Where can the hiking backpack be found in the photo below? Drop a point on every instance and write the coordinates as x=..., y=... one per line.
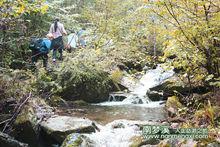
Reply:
x=35, y=44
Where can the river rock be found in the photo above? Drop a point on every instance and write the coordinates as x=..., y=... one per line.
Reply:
x=8, y=141
x=118, y=125
x=168, y=88
x=138, y=141
x=81, y=82
x=77, y=140
x=173, y=105
x=155, y=95
x=58, y=127
x=214, y=144
x=26, y=124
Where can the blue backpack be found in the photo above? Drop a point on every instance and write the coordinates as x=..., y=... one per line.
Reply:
x=37, y=44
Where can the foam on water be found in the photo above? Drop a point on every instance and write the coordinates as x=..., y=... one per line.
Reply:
x=115, y=137
x=118, y=103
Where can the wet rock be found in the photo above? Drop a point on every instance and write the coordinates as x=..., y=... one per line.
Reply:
x=58, y=127
x=155, y=95
x=168, y=88
x=138, y=141
x=128, y=81
x=137, y=101
x=173, y=105
x=25, y=126
x=133, y=65
x=77, y=140
x=8, y=141
x=118, y=125
x=214, y=144
x=152, y=141
x=121, y=66
x=117, y=96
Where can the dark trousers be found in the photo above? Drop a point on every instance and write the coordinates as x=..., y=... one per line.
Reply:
x=57, y=45
x=37, y=55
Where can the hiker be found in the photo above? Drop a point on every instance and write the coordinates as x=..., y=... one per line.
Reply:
x=57, y=29
x=72, y=41
x=81, y=37
x=40, y=49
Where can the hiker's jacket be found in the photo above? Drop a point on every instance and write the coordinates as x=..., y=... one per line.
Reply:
x=60, y=30
x=72, y=40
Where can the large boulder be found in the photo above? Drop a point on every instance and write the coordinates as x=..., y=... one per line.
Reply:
x=155, y=95
x=8, y=141
x=174, y=86
x=168, y=88
x=81, y=82
x=58, y=127
x=26, y=124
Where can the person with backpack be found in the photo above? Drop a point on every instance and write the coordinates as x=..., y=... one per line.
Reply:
x=72, y=41
x=58, y=30
x=82, y=37
x=40, y=48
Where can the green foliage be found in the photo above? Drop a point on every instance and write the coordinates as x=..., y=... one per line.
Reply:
x=45, y=84
x=15, y=84
x=116, y=76
x=192, y=31
x=20, y=20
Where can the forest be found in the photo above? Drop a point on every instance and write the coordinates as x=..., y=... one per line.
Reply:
x=125, y=65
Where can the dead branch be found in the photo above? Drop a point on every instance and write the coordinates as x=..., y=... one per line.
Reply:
x=16, y=112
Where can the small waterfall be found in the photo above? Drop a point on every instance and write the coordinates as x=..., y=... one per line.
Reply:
x=138, y=95
x=151, y=78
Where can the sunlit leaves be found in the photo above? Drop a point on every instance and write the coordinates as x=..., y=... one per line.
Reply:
x=192, y=28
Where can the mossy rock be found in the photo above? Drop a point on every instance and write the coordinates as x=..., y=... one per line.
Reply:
x=25, y=126
x=173, y=101
x=84, y=83
x=8, y=141
x=77, y=140
x=138, y=141
x=59, y=127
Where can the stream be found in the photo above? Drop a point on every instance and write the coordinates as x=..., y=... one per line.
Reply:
x=117, y=119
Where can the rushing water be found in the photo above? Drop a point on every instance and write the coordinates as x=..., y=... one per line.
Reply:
x=127, y=113
x=151, y=79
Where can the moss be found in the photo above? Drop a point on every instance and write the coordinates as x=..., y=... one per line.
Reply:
x=72, y=140
x=81, y=82
x=26, y=115
x=173, y=101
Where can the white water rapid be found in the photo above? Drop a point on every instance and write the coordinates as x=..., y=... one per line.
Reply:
x=138, y=95
x=118, y=133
